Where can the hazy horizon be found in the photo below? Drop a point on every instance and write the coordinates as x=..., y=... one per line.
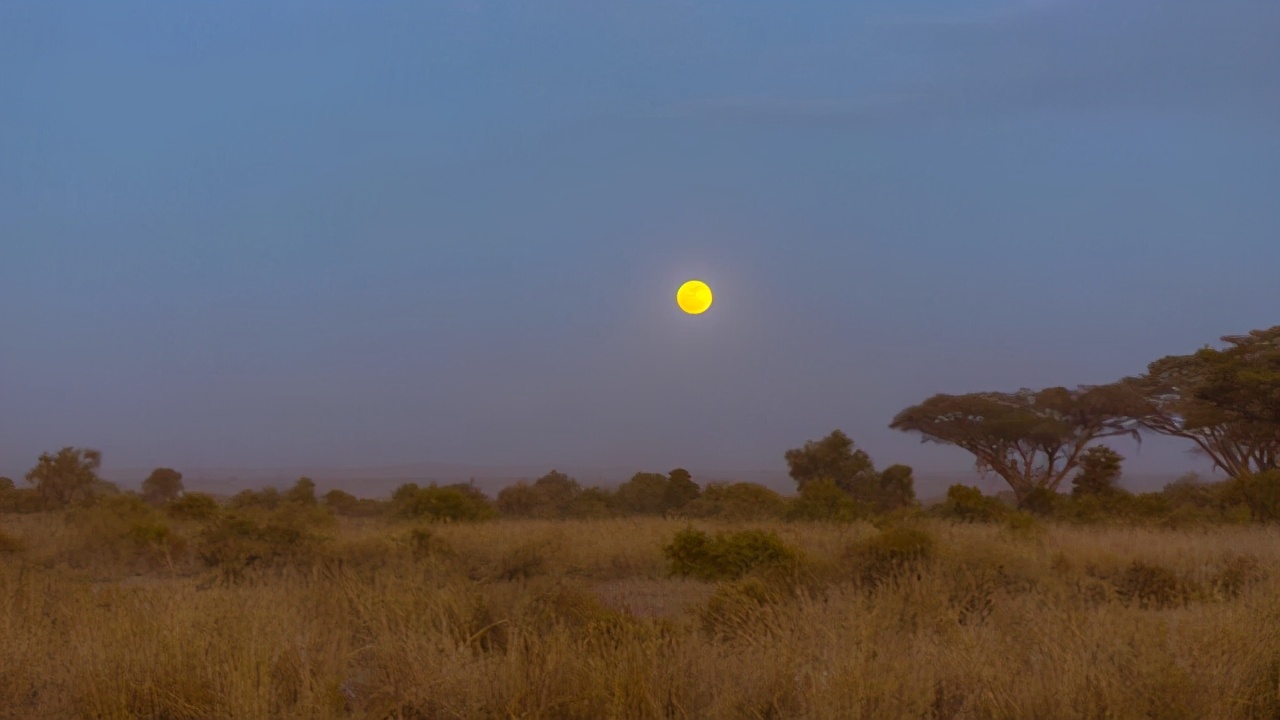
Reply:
x=331, y=235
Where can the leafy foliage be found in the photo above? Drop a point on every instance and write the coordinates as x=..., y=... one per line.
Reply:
x=194, y=506
x=726, y=556
x=1223, y=400
x=66, y=476
x=302, y=492
x=550, y=496
x=834, y=458
x=162, y=486
x=737, y=501
x=681, y=490
x=643, y=494
x=821, y=500
x=1099, y=472
x=894, y=551
x=897, y=489
x=450, y=503
x=968, y=504
x=1029, y=438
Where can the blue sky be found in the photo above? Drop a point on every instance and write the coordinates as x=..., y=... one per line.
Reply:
x=273, y=234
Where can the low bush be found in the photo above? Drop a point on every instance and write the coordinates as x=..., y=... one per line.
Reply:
x=726, y=556
x=736, y=502
x=894, y=551
x=193, y=506
x=1150, y=586
x=237, y=541
x=451, y=503
x=120, y=529
x=824, y=501
x=968, y=504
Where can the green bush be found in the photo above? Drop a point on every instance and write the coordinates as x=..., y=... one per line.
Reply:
x=824, y=501
x=1259, y=492
x=694, y=553
x=193, y=506
x=1149, y=586
x=1041, y=501
x=120, y=528
x=736, y=501
x=292, y=535
x=968, y=504
x=451, y=503
x=266, y=498
x=893, y=552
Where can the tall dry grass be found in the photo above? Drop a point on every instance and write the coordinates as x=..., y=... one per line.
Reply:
x=579, y=620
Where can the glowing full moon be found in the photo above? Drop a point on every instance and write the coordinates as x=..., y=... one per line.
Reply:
x=694, y=297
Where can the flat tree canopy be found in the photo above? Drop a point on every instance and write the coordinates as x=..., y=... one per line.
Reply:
x=1225, y=401
x=1030, y=438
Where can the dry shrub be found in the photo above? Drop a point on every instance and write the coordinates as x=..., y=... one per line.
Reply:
x=990, y=627
x=1150, y=586
x=119, y=531
x=1237, y=574
x=11, y=543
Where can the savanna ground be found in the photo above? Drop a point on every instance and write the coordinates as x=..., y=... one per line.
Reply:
x=104, y=615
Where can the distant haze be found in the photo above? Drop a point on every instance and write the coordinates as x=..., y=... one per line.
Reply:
x=294, y=237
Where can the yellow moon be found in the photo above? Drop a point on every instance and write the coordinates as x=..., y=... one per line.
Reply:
x=694, y=297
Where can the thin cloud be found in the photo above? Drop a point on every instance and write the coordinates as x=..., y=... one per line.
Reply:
x=1220, y=58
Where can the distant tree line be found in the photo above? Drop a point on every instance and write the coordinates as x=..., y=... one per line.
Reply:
x=1225, y=401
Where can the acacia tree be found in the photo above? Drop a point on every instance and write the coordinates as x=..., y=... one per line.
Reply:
x=1243, y=382
x=1032, y=439
x=1225, y=401
x=835, y=458
x=65, y=477
x=161, y=486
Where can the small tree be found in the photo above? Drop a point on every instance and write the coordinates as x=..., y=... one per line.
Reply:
x=303, y=492
x=643, y=494
x=5, y=484
x=681, y=490
x=823, y=500
x=1099, y=472
x=161, y=486
x=65, y=477
x=834, y=458
x=897, y=488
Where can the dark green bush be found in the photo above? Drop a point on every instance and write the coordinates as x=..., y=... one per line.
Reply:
x=968, y=504
x=236, y=541
x=736, y=501
x=1041, y=501
x=893, y=552
x=193, y=506
x=824, y=501
x=1149, y=586
x=21, y=500
x=693, y=553
x=1259, y=492
x=451, y=503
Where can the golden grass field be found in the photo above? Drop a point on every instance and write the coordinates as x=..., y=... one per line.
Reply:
x=579, y=619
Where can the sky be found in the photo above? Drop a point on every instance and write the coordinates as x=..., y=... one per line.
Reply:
x=245, y=234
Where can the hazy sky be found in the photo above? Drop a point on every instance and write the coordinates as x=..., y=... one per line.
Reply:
x=270, y=234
